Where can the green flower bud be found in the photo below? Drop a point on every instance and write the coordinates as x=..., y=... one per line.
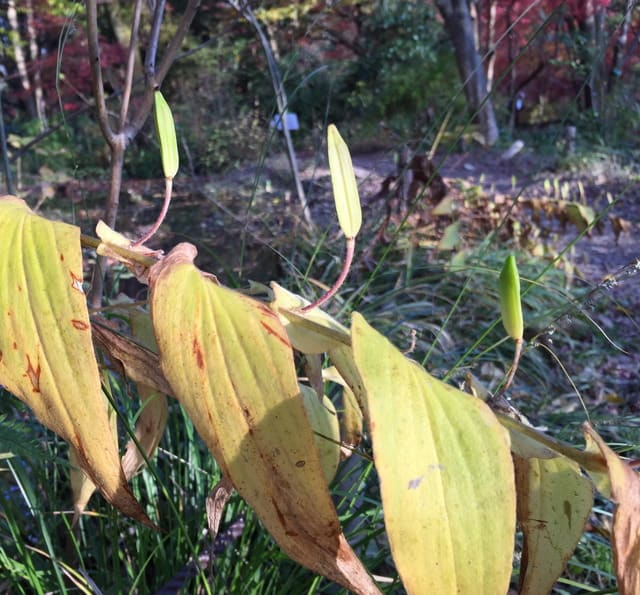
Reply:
x=343, y=180
x=510, y=305
x=166, y=135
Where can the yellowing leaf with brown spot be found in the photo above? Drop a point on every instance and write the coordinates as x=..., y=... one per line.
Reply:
x=351, y=420
x=446, y=475
x=229, y=362
x=152, y=420
x=82, y=488
x=554, y=503
x=46, y=353
x=625, y=492
x=342, y=358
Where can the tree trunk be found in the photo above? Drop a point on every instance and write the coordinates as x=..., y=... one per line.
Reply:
x=459, y=26
x=38, y=93
x=491, y=41
x=617, y=62
x=20, y=58
x=243, y=7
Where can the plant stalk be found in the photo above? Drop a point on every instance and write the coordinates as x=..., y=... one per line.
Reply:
x=512, y=371
x=168, y=184
x=348, y=259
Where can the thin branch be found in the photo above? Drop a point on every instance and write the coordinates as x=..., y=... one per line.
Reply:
x=152, y=46
x=243, y=7
x=119, y=142
x=93, y=37
x=131, y=64
x=168, y=58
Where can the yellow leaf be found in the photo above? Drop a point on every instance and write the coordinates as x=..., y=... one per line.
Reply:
x=580, y=215
x=554, y=503
x=446, y=475
x=152, y=420
x=351, y=415
x=625, y=491
x=324, y=421
x=310, y=332
x=229, y=362
x=450, y=237
x=342, y=358
x=46, y=352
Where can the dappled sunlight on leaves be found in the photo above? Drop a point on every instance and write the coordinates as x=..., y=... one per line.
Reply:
x=46, y=353
x=446, y=474
x=229, y=362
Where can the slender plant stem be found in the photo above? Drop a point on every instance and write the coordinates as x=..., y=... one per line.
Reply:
x=110, y=216
x=512, y=371
x=168, y=184
x=152, y=47
x=348, y=259
x=168, y=57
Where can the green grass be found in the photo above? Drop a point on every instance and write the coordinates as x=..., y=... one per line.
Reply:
x=454, y=314
x=447, y=317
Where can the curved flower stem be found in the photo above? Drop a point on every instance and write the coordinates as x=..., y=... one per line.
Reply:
x=168, y=184
x=348, y=259
x=512, y=371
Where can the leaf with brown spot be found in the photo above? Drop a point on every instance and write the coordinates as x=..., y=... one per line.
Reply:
x=152, y=420
x=625, y=492
x=446, y=475
x=48, y=361
x=137, y=362
x=245, y=403
x=82, y=487
x=554, y=503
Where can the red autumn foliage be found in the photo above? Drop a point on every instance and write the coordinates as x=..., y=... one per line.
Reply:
x=545, y=50
x=62, y=61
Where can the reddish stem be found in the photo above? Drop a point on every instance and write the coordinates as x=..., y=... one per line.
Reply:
x=513, y=370
x=348, y=259
x=168, y=184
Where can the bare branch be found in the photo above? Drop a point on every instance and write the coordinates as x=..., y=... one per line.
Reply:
x=96, y=72
x=152, y=46
x=243, y=7
x=131, y=63
x=168, y=58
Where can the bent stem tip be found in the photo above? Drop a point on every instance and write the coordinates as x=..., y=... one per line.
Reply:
x=348, y=259
x=512, y=371
x=168, y=185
